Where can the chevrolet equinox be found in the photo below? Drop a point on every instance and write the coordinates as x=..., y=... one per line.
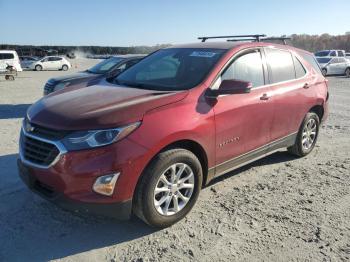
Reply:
x=147, y=141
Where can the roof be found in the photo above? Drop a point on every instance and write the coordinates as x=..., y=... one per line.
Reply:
x=216, y=45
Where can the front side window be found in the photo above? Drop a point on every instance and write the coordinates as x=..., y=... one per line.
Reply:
x=333, y=53
x=281, y=65
x=247, y=67
x=171, y=69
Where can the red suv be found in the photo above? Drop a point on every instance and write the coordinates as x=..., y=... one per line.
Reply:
x=146, y=142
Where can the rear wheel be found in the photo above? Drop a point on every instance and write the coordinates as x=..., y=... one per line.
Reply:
x=169, y=188
x=307, y=135
x=64, y=67
x=38, y=68
x=324, y=72
x=347, y=72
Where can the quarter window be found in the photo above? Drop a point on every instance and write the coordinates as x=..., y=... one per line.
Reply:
x=281, y=65
x=247, y=67
x=312, y=61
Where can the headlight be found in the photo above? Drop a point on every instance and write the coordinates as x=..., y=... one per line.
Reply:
x=96, y=138
x=60, y=86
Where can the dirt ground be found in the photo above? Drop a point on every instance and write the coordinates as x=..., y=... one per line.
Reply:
x=279, y=208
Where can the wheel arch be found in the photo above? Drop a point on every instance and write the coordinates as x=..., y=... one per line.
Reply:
x=319, y=110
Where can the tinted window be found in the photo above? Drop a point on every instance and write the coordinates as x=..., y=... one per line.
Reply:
x=171, y=69
x=333, y=53
x=55, y=58
x=299, y=68
x=281, y=65
x=312, y=61
x=341, y=53
x=247, y=67
x=4, y=56
x=322, y=53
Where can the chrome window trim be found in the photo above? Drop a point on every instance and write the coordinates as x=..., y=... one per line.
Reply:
x=59, y=145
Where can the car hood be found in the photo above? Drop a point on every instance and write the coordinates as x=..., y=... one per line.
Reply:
x=76, y=76
x=97, y=106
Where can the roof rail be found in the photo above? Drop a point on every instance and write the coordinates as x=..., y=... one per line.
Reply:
x=256, y=37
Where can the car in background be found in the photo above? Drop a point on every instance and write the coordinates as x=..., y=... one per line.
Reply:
x=334, y=65
x=347, y=55
x=107, y=68
x=26, y=61
x=51, y=63
x=332, y=53
x=10, y=57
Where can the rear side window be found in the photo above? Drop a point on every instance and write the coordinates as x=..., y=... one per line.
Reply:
x=312, y=61
x=247, y=67
x=333, y=53
x=299, y=68
x=4, y=56
x=341, y=53
x=281, y=65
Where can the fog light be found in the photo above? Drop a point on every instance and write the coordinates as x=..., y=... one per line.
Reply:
x=105, y=184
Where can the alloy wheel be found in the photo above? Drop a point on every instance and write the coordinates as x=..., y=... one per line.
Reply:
x=174, y=189
x=309, y=134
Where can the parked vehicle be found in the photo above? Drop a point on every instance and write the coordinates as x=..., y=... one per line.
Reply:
x=334, y=66
x=26, y=61
x=51, y=63
x=323, y=53
x=347, y=55
x=107, y=68
x=147, y=141
x=11, y=58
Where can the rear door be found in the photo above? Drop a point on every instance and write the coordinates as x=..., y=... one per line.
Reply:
x=291, y=91
x=243, y=121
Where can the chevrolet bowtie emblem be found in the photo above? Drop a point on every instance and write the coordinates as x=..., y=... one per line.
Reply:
x=29, y=127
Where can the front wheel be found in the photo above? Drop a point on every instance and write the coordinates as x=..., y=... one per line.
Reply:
x=307, y=135
x=168, y=188
x=38, y=68
x=64, y=67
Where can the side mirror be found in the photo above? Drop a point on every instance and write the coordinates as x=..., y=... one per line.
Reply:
x=231, y=87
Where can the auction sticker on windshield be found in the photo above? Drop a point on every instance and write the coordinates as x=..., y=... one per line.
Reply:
x=202, y=54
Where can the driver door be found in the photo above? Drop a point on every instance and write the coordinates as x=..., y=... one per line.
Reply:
x=243, y=121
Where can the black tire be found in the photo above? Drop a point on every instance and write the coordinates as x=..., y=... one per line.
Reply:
x=144, y=206
x=324, y=72
x=64, y=67
x=38, y=68
x=347, y=72
x=299, y=148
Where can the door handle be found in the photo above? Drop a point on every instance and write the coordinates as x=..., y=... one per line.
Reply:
x=306, y=86
x=264, y=97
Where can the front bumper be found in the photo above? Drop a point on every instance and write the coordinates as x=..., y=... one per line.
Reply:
x=118, y=210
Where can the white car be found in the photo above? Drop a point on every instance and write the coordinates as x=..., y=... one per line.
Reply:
x=325, y=53
x=51, y=63
x=10, y=57
x=334, y=65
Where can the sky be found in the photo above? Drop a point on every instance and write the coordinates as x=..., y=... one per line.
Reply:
x=151, y=22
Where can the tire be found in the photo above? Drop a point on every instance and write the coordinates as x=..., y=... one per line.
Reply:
x=64, y=67
x=347, y=72
x=307, y=135
x=162, y=165
x=38, y=68
x=324, y=72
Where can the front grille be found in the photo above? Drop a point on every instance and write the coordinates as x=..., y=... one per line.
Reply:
x=49, y=87
x=47, y=133
x=37, y=151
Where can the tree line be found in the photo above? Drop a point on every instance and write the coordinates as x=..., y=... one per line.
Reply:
x=311, y=43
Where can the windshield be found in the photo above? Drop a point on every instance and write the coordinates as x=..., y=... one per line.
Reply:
x=322, y=53
x=105, y=65
x=171, y=69
x=323, y=60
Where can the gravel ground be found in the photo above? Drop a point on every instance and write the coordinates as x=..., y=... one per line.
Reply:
x=279, y=208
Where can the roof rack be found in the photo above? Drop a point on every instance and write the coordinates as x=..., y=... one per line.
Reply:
x=244, y=38
x=256, y=37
